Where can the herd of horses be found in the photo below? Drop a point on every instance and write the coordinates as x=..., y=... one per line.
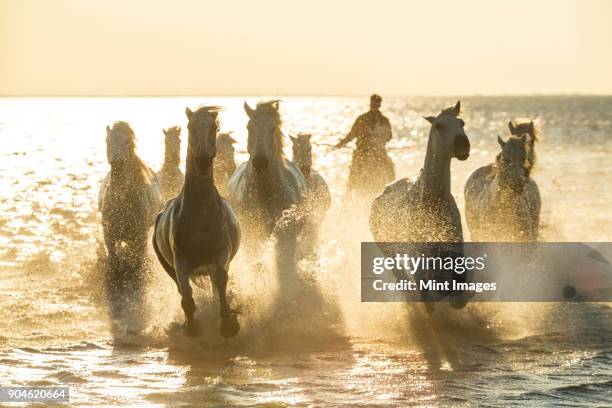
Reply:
x=199, y=216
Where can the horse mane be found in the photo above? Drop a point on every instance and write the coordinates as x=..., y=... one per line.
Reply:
x=521, y=124
x=207, y=109
x=532, y=157
x=528, y=128
x=142, y=170
x=269, y=108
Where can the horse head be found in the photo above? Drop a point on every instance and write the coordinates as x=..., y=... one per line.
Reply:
x=172, y=139
x=120, y=143
x=513, y=163
x=225, y=145
x=448, y=135
x=202, y=128
x=302, y=152
x=518, y=128
x=265, y=141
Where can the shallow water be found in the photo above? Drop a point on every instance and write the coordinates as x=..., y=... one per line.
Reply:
x=320, y=346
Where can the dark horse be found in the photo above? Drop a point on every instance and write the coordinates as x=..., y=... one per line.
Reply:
x=197, y=233
x=128, y=200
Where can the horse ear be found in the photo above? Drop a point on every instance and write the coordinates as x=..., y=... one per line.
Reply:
x=511, y=127
x=458, y=108
x=249, y=111
x=108, y=129
x=275, y=105
x=430, y=119
x=189, y=113
x=165, y=131
x=293, y=139
x=500, y=141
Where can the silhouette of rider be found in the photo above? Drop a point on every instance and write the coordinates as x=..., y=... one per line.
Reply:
x=371, y=166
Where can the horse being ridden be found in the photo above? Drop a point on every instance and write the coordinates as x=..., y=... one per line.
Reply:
x=424, y=210
x=371, y=167
x=502, y=201
x=171, y=177
x=197, y=233
x=128, y=200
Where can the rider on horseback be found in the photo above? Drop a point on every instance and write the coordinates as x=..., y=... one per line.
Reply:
x=371, y=167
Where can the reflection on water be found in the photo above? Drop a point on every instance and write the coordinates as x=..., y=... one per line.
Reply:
x=320, y=347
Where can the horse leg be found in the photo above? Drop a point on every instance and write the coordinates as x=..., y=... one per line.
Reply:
x=113, y=269
x=187, y=303
x=286, y=263
x=229, y=323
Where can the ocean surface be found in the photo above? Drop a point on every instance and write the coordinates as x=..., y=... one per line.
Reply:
x=321, y=347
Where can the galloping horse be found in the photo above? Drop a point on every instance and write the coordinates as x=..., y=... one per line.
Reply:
x=502, y=202
x=128, y=200
x=526, y=127
x=424, y=210
x=317, y=198
x=225, y=164
x=171, y=177
x=197, y=233
x=267, y=184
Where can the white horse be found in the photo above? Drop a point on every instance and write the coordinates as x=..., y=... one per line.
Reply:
x=502, y=201
x=268, y=189
x=170, y=176
x=424, y=210
x=225, y=164
x=129, y=199
x=317, y=198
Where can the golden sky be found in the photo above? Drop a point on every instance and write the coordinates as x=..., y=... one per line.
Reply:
x=314, y=47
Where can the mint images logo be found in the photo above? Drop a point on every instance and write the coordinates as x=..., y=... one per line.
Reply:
x=486, y=272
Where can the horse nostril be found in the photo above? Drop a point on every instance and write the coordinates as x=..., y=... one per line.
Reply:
x=461, y=147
